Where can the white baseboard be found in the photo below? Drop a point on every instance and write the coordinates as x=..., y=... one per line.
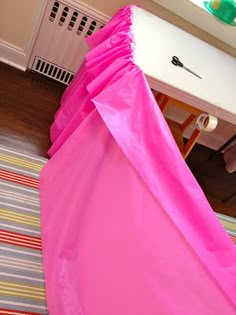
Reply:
x=13, y=55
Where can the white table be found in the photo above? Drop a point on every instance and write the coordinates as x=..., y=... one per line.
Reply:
x=156, y=41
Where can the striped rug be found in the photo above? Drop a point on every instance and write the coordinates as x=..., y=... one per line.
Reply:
x=22, y=288
x=21, y=273
x=229, y=224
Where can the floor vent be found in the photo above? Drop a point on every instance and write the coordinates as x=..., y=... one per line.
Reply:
x=52, y=71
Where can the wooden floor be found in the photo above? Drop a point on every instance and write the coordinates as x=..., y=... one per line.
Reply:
x=28, y=102
x=27, y=105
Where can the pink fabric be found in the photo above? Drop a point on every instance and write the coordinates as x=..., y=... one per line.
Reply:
x=125, y=227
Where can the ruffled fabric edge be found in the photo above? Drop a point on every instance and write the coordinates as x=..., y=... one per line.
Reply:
x=111, y=51
x=150, y=142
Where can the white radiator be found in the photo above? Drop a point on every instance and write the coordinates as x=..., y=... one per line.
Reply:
x=60, y=47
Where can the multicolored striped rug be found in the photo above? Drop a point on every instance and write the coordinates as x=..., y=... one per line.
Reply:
x=229, y=224
x=22, y=288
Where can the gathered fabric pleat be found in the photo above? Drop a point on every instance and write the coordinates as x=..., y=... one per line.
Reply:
x=136, y=233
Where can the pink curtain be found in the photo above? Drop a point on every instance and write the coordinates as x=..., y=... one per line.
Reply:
x=126, y=229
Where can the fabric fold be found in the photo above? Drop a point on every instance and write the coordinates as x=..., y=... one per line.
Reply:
x=111, y=51
x=112, y=146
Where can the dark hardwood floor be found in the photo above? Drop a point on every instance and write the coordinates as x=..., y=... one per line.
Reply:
x=217, y=184
x=28, y=102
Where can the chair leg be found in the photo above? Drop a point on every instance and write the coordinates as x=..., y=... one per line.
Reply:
x=188, y=122
x=162, y=101
x=191, y=142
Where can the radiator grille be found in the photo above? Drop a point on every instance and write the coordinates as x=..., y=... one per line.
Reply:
x=60, y=46
x=84, y=21
x=54, y=10
x=52, y=71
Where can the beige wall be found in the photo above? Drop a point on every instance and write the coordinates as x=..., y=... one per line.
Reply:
x=109, y=7
x=16, y=18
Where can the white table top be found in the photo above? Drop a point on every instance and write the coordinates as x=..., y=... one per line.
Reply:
x=157, y=41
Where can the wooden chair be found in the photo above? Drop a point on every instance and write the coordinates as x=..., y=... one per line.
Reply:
x=178, y=129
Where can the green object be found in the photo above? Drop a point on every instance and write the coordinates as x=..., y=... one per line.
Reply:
x=225, y=10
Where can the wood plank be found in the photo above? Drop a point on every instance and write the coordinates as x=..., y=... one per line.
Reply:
x=224, y=208
x=28, y=103
x=188, y=122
